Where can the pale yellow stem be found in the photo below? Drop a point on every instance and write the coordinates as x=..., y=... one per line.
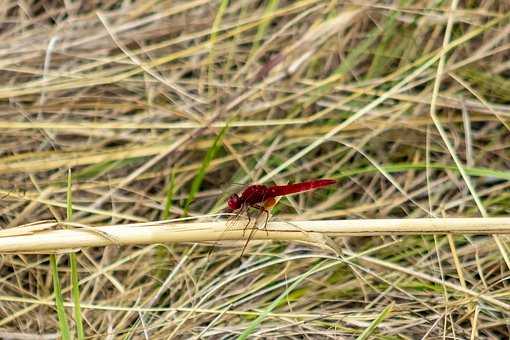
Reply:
x=48, y=236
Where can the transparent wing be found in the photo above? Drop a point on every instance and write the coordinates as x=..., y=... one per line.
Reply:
x=239, y=220
x=244, y=219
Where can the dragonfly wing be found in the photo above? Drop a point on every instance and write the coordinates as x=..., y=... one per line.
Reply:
x=234, y=222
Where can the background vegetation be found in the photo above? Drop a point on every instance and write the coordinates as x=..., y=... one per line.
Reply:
x=406, y=103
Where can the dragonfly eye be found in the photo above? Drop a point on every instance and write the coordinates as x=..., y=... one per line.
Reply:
x=234, y=202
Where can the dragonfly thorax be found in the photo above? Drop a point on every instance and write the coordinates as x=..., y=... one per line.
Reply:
x=254, y=194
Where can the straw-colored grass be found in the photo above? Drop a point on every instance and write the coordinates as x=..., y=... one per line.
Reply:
x=125, y=125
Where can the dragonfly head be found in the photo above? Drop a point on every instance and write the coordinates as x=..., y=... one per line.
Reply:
x=234, y=202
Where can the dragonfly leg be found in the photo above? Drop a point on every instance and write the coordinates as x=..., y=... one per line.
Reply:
x=247, y=224
x=263, y=210
x=252, y=232
x=6, y=195
x=249, y=221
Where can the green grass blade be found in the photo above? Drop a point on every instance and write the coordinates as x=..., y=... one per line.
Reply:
x=69, y=201
x=59, y=300
x=387, y=51
x=264, y=24
x=75, y=287
x=354, y=57
x=380, y=318
x=197, y=181
x=101, y=168
x=75, y=293
x=255, y=323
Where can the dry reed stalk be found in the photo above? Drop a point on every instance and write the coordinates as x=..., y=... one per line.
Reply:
x=43, y=236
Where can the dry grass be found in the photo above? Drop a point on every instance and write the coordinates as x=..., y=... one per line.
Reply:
x=406, y=103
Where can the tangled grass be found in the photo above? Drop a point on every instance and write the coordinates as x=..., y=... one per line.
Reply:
x=118, y=112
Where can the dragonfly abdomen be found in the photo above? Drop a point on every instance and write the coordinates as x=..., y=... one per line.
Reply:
x=282, y=190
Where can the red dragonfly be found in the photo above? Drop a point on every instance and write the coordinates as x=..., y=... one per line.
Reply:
x=262, y=198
